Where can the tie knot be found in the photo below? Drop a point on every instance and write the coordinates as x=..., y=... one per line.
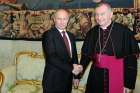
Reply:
x=63, y=32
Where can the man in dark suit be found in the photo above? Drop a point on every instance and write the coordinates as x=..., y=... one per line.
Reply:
x=61, y=56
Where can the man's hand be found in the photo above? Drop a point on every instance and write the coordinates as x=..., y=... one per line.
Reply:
x=76, y=83
x=77, y=69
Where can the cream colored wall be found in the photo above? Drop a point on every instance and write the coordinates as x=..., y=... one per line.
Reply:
x=8, y=49
x=5, y=53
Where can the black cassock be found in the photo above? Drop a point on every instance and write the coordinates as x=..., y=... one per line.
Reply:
x=121, y=44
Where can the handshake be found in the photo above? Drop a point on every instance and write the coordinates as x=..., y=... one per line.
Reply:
x=77, y=69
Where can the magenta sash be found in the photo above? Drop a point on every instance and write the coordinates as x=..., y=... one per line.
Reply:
x=116, y=72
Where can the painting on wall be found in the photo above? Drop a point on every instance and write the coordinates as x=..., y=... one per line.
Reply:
x=54, y=4
x=32, y=24
x=70, y=4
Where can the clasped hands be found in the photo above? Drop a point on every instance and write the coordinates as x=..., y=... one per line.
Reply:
x=77, y=69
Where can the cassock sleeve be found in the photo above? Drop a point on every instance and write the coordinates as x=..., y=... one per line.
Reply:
x=88, y=49
x=130, y=60
x=130, y=45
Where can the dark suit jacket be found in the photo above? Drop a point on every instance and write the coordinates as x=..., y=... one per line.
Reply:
x=57, y=76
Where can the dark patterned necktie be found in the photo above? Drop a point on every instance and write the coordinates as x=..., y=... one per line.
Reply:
x=66, y=41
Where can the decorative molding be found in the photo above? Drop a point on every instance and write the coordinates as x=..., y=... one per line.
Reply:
x=1, y=79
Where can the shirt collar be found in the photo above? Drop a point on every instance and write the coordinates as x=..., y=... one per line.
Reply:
x=108, y=27
x=61, y=30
